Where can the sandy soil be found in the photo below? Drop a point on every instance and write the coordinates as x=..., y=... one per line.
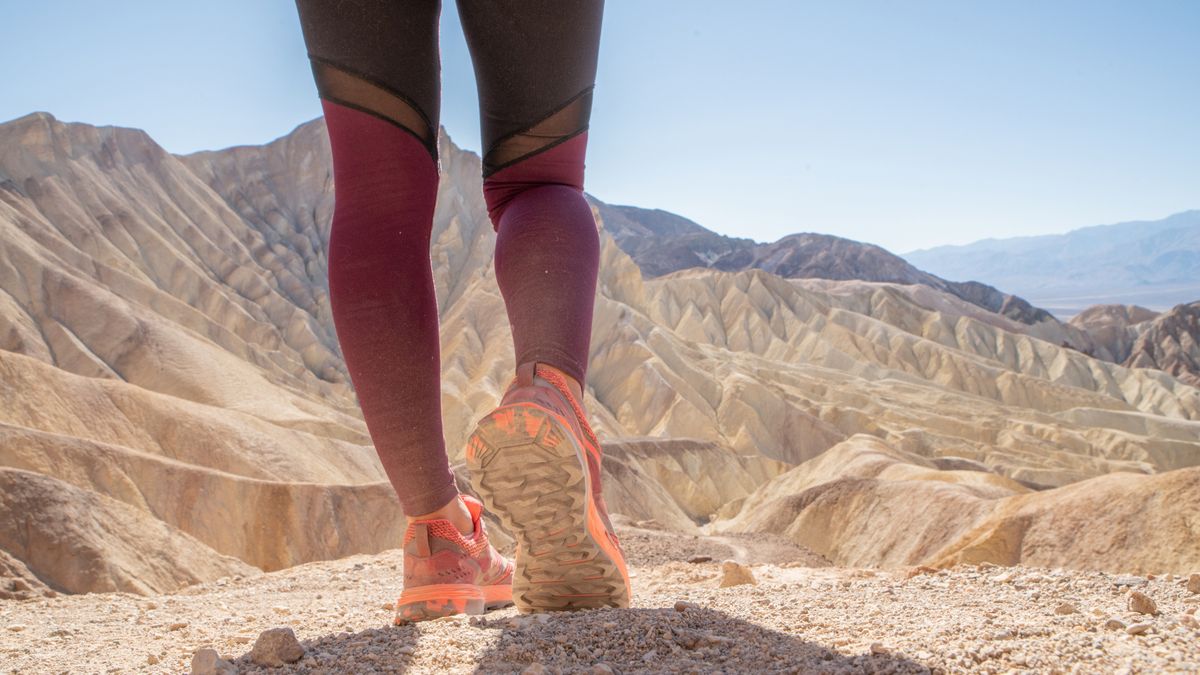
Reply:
x=799, y=617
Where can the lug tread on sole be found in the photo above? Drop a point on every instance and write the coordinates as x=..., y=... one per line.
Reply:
x=528, y=471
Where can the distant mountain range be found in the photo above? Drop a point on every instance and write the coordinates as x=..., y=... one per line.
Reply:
x=661, y=242
x=1155, y=264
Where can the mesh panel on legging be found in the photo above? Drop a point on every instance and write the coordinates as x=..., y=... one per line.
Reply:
x=569, y=120
x=358, y=92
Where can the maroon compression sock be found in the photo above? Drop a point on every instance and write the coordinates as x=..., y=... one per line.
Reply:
x=382, y=297
x=547, y=255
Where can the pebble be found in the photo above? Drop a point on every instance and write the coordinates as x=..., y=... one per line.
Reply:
x=207, y=662
x=1193, y=583
x=16, y=627
x=1114, y=624
x=735, y=574
x=276, y=647
x=919, y=570
x=1065, y=608
x=697, y=559
x=878, y=648
x=1141, y=603
x=684, y=606
x=1138, y=628
x=177, y=626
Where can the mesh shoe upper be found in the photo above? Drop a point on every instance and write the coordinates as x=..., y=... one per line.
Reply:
x=435, y=552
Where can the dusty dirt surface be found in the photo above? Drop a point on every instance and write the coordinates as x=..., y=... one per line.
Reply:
x=796, y=618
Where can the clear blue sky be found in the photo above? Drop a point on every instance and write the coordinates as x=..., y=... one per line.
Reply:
x=906, y=124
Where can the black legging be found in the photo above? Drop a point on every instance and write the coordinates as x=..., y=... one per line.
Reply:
x=377, y=69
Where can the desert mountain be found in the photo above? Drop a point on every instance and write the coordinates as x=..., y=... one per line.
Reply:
x=1113, y=329
x=1171, y=342
x=1140, y=338
x=661, y=242
x=867, y=503
x=167, y=356
x=1151, y=263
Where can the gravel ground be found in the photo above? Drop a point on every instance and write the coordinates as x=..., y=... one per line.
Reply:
x=797, y=618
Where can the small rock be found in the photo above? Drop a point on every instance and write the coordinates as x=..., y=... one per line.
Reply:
x=1114, y=624
x=878, y=648
x=1141, y=603
x=389, y=606
x=1138, y=628
x=697, y=559
x=208, y=662
x=919, y=570
x=602, y=669
x=1189, y=621
x=153, y=660
x=177, y=626
x=1065, y=608
x=1193, y=583
x=684, y=606
x=534, y=669
x=242, y=639
x=275, y=647
x=735, y=574
x=280, y=609
x=16, y=627
x=19, y=585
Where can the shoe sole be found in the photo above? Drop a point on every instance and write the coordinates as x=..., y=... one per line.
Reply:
x=531, y=472
x=437, y=600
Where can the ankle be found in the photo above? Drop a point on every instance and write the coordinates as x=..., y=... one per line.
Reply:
x=454, y=511
x=572, y=384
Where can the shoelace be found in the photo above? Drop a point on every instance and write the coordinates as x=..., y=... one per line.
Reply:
x=560, y=383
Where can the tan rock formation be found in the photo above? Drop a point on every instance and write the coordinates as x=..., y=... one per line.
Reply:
x=866, y=503
x=1171, y=343
x=84, y=541
x=1113, y=328
x=166, y=350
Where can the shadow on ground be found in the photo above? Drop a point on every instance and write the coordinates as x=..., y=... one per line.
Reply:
x=696, y=640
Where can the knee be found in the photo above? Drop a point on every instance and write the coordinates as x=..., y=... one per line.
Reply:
x=560, y=166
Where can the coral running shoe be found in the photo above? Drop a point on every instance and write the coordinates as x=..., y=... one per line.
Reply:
x=447, y=572
x=536, y=463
